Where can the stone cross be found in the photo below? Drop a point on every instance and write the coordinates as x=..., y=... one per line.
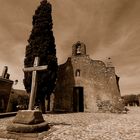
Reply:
x=34, y=70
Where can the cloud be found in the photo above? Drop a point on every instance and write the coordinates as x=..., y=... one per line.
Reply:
x=108, y=28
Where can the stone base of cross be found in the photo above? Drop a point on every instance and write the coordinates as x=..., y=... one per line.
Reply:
x=29, y=121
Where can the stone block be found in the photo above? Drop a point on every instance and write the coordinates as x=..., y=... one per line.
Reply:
x=28, y=117
x=25, y=128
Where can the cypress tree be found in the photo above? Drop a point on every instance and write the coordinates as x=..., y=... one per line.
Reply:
x=41, y=43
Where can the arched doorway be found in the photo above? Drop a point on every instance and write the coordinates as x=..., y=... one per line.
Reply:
x=78, y=99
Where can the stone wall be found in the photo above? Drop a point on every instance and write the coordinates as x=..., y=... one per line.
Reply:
x=5, y=89
x=64, y=87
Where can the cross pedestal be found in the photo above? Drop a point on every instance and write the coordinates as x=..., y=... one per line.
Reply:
x=30, y=120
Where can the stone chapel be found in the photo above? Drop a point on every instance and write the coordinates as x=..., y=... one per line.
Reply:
x=83, y=82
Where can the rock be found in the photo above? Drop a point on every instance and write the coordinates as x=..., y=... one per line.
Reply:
x=25, y=128
x=28, y=117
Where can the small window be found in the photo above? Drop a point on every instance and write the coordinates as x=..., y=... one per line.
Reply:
x=77, y=73
x=78, y=50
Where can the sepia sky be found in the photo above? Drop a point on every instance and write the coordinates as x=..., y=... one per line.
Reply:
x=109, y=28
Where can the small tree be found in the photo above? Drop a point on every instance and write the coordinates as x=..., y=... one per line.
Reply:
x=42, y=44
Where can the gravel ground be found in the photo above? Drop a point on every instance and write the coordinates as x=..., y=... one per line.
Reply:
x=90, y=126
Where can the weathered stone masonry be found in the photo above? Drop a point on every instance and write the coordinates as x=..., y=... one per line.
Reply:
x=5, y=88
x=82, y=82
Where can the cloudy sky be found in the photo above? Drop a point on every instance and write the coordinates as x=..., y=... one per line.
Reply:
x=109, y=28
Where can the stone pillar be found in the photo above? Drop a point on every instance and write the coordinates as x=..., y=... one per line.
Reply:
x=5, y=69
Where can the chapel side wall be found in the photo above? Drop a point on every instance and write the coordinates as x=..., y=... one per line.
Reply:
x=64, y=88
x=113, y=88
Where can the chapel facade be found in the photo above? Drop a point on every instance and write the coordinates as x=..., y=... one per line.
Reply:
x=83, y=82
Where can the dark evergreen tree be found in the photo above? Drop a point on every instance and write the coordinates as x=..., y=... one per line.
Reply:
x=41, y=43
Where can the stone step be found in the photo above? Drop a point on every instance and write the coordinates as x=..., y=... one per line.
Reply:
x=8, y=114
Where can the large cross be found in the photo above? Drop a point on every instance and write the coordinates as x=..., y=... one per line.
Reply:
x=34, y=70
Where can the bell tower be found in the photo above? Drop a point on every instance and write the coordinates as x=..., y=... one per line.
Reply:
x=79, y=49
